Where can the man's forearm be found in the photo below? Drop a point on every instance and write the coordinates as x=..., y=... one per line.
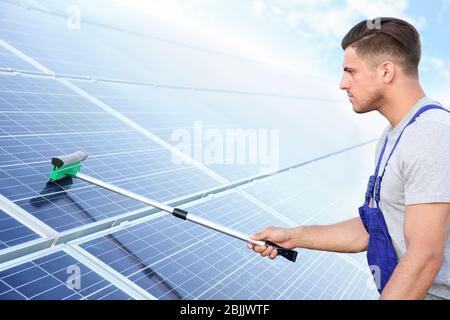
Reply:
x=412, y=278
x=347, y=236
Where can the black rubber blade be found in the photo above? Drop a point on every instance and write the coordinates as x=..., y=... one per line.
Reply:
x=77, y=156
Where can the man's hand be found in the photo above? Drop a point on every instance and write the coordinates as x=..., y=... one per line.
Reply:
x=347, y=236
x=279, y=236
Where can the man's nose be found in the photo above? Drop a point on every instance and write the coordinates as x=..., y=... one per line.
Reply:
x=345, y=84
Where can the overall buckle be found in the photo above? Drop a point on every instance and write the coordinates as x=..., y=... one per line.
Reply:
x=370, y=186
x=377, y=189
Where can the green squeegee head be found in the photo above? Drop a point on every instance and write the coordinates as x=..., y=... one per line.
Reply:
x=67, y=165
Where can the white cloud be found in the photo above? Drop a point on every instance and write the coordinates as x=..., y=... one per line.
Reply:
x=258, y=7
x=293, y=18
x=436, y=63
x=328, y=20
x=375, y=8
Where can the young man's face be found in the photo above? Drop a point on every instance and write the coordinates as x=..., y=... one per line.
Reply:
x=360, y=82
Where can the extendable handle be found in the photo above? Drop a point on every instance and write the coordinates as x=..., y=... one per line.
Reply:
x=69, y=166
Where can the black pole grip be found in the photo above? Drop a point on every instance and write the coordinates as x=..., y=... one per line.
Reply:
x=289, y=254
x=180, y=213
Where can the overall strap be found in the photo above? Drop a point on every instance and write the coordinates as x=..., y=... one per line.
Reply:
x=380, y=157
x=416, y=115
x=372, y=179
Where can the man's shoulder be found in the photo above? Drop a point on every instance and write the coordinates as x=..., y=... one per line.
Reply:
x=432, y=122
x=438, y=115
x=429, y=134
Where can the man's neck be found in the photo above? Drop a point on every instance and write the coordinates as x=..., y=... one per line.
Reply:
x=400, y=101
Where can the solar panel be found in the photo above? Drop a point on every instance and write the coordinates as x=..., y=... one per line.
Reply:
x=56, y=276
x=51, y=42
x=141, y=41
x=234, y=120
x=117, y=15
x=12, y=232
x=180, y=260
x=35, y=126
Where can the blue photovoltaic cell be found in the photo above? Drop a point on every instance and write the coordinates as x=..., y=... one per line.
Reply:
x=52, y=277
x=174, y=259
x=24, y=94
x=117, y=154
x=12, y=232
x=10, y=61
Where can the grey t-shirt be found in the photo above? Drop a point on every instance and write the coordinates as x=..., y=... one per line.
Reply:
x=418, y=172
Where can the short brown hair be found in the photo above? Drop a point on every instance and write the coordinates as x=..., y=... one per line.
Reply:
x=386, y=37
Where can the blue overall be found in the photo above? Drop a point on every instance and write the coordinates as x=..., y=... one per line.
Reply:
x=381, y=255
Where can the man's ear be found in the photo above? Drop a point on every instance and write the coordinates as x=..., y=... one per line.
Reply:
x=386, y=71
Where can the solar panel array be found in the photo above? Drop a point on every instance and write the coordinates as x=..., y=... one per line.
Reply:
x=120, y=95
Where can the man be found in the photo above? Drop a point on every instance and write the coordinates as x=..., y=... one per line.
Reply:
x=404, y=224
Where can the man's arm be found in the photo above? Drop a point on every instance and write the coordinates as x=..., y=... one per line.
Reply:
x=347, y=236
x=425, y=231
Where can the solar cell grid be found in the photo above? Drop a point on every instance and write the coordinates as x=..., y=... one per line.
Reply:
x=9, y=61
x=52, y=277
x=12, y=232
x=118, y=154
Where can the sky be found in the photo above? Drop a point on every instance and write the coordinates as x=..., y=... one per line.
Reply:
x=303, y=36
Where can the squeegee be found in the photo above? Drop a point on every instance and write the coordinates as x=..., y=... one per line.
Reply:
x=70, y=165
